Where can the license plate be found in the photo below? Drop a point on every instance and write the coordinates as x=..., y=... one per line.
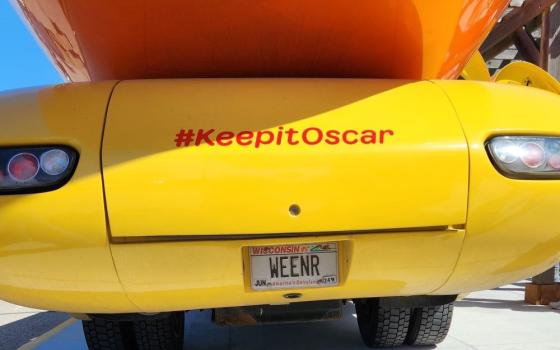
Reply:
x=294, y=266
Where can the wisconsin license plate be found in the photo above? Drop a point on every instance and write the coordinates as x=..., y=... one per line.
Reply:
x=294, y=266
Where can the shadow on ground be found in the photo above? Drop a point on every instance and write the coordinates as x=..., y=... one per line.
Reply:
x=201, y=333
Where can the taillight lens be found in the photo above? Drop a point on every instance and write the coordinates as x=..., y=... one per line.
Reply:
x=35, y=169
x=23, y=167
x=55, y=162
x=526, y=157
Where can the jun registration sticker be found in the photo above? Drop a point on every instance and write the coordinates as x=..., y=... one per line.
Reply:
x=294, y=266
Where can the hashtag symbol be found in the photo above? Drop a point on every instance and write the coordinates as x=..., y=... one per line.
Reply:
x=183, y=138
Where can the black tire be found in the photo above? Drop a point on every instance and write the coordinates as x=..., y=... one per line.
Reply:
x=430, y=324
x=161, y=334
x=382, y=327
x=165, y=333
x=103, y=334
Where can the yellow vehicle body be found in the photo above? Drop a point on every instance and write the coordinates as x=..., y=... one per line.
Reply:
x=146, y=226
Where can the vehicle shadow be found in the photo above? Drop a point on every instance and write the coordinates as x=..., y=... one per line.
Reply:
x=15, y=334
x=201, y=333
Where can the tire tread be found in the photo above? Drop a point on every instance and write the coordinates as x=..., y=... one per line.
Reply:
x=164, y=333
x=382, y=327
x=104, y=335
x=430, y=325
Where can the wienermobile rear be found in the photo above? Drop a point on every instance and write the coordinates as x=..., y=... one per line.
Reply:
x=271, y=160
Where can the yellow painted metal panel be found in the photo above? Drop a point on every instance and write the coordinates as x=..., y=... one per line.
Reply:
x=192, y=275
x=476, y=69
x=54, y=252
x=527, y=74
x=512, y=230
x=54, y=249
x=416, y=177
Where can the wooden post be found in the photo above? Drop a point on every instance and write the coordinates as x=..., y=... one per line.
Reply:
x=545, y=39
x=517, y=18
x=526, y=46
x=554, y=48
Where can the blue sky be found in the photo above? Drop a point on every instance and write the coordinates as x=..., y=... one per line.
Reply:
x=22, y=61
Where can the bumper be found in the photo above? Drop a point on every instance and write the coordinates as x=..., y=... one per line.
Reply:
x=193, y=275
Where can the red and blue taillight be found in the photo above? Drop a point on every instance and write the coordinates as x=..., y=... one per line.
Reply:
x=36, y=168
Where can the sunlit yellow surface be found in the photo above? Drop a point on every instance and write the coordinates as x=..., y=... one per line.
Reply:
x=55, y=251
x=527, y=74
x=476, y=69
x=415, y=178
x=193, y=275
x=511, y=224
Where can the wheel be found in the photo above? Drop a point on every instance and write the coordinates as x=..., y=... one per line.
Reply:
x=102, y=334
x=382, y=327
x=429, y=325
x=160, y=334
x=165, y=333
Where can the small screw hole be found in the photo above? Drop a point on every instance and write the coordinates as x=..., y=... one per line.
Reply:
x=294, y=210
x=292, y=295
